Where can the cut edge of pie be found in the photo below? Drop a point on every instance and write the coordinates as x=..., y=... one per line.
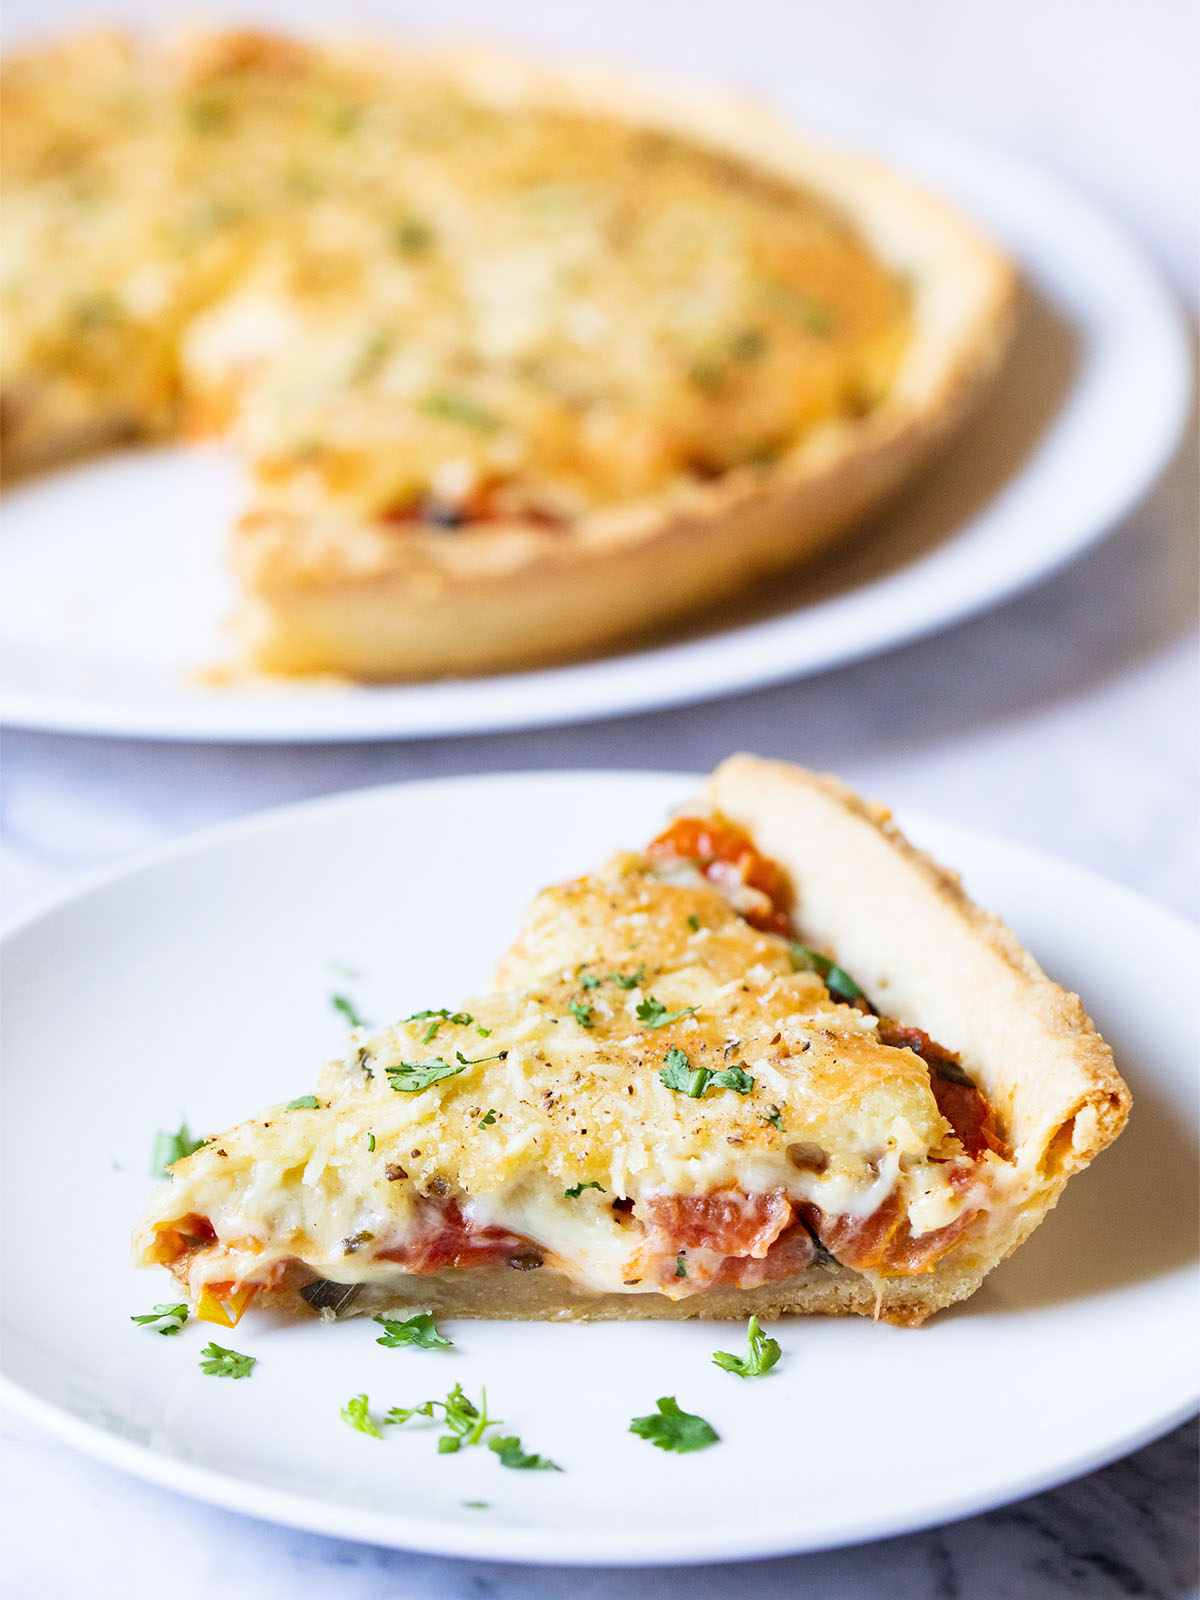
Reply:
x=344, y=597
x=923, y=952
x=331, y=590
x=907, y=929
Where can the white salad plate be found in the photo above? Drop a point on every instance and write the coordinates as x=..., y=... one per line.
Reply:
x=113, y=590
x=198, y=984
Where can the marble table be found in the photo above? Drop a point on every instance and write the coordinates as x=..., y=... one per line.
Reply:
x=1065, y=719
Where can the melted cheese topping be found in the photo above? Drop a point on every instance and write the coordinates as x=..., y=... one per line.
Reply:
x=559, y=1086
x=398, y=296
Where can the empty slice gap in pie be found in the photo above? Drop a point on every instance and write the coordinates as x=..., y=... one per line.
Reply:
x=520, y=361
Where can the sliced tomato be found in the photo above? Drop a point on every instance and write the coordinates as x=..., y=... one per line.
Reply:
x=790, y=1253
x=961, y=1102
x=726, y=1221
x=858, y=1242
x=443, y=1237
x=725, y=854
x=178, y=1240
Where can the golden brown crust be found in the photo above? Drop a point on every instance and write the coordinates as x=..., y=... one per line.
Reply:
x=359, y=602
x=929, y=956
x=500, y=1294
x=330, y=593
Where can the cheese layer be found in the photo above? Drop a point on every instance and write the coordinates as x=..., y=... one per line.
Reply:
x=401, y=296
x=558, y=1109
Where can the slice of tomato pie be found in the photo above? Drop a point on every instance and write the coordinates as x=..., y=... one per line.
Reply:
x=774, y=1062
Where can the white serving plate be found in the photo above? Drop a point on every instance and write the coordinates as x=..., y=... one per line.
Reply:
x=199, y=982
x=113, y=591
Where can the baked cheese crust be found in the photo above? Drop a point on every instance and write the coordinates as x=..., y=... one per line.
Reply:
x=484, y=334
x=660, y=1106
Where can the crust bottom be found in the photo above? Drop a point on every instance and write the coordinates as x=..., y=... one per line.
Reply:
x=498, y=1294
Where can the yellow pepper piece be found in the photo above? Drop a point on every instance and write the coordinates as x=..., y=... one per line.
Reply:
x=227, y=1311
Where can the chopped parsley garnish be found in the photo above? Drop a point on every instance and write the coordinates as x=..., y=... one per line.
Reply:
x=633, y=980
x=459, y=1019
x=763, y=1353
x=678, y=1073
x=221, y=1363
x=488, y=1118
x=680, y=1266
x=775, y=1120
x=346, y=1008
x=694, y=923
x=172, y=1147
x=420, y=1330
x=413, y=236
x=448, y=407
x=356, y=1414
x=508, y=1448
x=582, y=1012
x=749, y=344
x=577, y=1189
x=651, y=1013
x=477, y=1505
x=814, y=315
x=410, y=1077
x=374, y=351
x=306, y=1102
x=589, y=980
x=466, y=1424
x=370, y=1141
x=673, y=1429
x=836, y=979
x=171, y=1317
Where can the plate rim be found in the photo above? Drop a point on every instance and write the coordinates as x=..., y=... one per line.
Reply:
x=699, y=667
x=540, y=1546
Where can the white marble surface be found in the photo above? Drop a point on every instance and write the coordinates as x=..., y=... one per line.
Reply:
x=1066, y=719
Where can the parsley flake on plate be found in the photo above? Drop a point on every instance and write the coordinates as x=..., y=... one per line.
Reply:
x=762, y=1354
x=673, y=1429
x=221, y=1363
x=171, y=1317
x=420, y=1330
x=466, y=1424
x=346, y=1008
x=172, y=1147
x=356, y=1413
x=508, y=1448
